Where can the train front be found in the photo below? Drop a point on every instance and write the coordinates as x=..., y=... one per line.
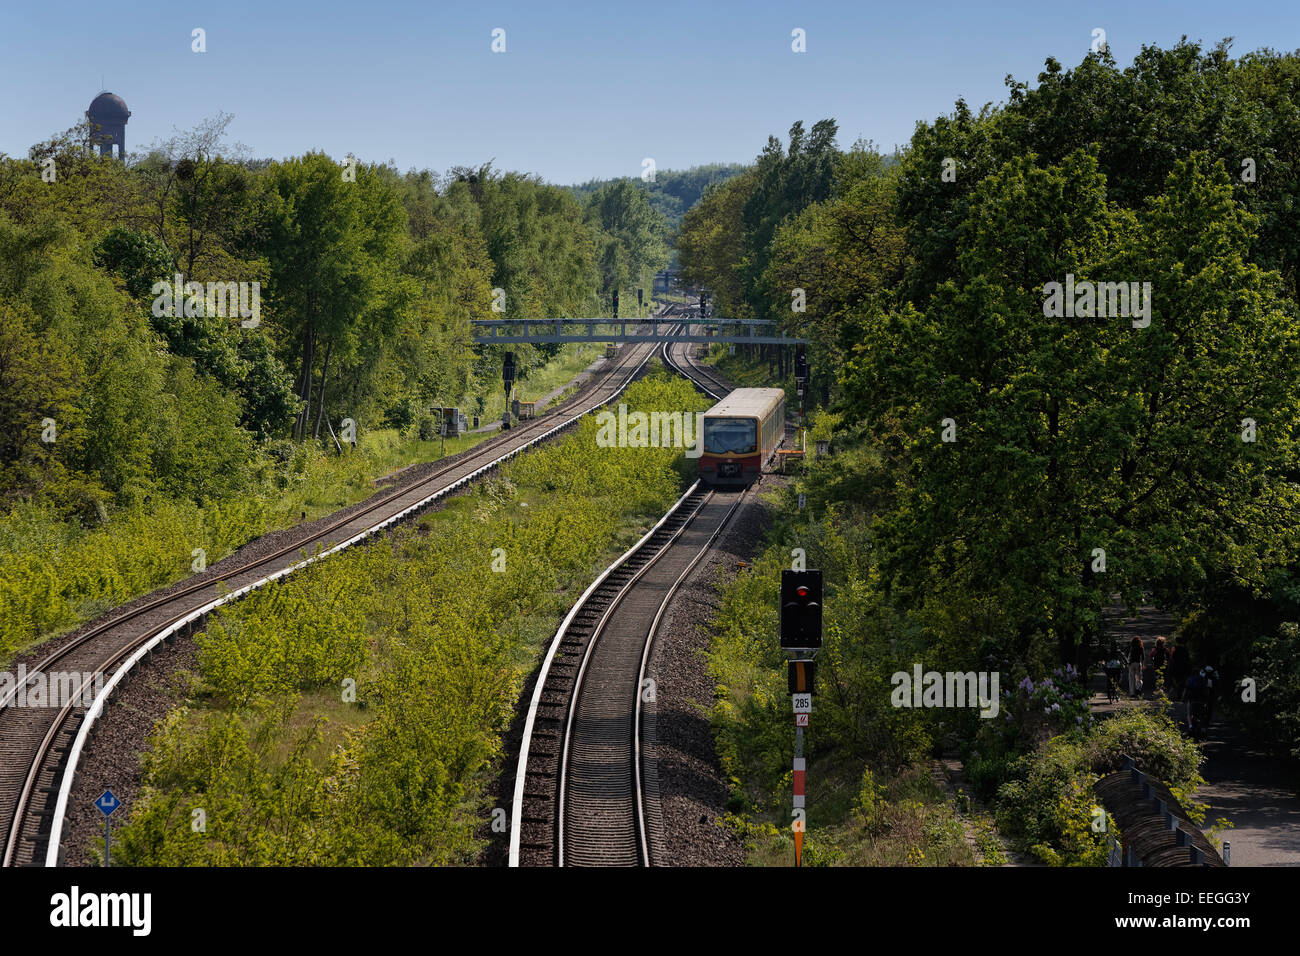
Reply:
x=731, y=453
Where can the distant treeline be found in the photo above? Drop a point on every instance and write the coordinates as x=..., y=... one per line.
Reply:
x=672, y=191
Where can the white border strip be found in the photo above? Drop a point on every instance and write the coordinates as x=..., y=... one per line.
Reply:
x=521, y=771
x=97, y=706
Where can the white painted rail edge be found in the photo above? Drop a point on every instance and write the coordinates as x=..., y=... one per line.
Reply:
x=521, y=773
x=97, y=706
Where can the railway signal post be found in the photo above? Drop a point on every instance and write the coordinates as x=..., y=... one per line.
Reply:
x=107, y=803
x=800, y=383
x=801, y=637
x=508, y=375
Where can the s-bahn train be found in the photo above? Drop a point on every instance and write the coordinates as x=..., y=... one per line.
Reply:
x=741, y=434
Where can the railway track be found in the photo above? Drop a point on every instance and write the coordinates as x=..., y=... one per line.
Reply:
x=584, y=793
x=586, y=790
x=39, y=746
x=685, y=363
x=682, y=359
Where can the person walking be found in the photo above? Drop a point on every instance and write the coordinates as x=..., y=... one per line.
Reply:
x=1200, y=700
x=1135, y=654
x=1159, y=658
x=1114, y=668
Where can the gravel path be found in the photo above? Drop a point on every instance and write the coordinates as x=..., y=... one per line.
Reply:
x=693, y=790
x=113, y=755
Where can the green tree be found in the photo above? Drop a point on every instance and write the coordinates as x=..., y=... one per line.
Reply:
x=325, y=243
x=41, y=426
x=629, y=235
x=785, y=182
x=844, y=252
x=711, y=242
x=1074, y=434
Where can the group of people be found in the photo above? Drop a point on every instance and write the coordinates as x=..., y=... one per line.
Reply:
x=1145, y=670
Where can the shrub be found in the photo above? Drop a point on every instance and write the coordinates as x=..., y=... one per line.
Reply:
x=1047, y=805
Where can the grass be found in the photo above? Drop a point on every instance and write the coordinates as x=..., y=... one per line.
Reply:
x=908, y=820
x=747, y=371
x=330, y=482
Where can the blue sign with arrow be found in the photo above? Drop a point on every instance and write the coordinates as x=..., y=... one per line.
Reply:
x=107, y=803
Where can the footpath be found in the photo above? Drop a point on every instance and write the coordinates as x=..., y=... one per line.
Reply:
x=1243, y=784
x=1248, y=788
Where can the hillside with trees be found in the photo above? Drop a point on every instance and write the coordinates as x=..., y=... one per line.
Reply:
x=1005, y=471
x=671, y=193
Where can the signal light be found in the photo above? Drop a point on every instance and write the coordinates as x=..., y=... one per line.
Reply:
x=801, y=609
x=801, y=677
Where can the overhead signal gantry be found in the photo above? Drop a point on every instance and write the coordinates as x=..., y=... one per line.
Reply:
x=662, y=329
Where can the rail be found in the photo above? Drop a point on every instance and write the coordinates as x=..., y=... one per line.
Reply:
x=140, y=652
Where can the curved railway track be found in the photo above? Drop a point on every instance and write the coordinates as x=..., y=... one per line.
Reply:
x=39, y=746
x=584, y=793
x=686, y=364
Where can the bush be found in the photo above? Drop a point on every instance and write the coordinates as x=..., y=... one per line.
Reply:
x=401, y=415
x=54, y=574
x=428, y=429
x=1047, y=806
x=1030, y=714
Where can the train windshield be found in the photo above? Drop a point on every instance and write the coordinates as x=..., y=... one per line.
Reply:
x=730, y=436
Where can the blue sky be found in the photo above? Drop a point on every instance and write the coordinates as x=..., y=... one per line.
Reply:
x=583, y=90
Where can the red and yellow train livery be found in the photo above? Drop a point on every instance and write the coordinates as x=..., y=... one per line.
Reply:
x=741, y=434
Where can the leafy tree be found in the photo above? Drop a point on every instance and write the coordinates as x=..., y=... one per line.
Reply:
x=41, y=426
x=1083, y=433
x=629, y=235
x=325, y=240
x=711, y=242
x=785, y=182
x=139, y=258
x=844, y=252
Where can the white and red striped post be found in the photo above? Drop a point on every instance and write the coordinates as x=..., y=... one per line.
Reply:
x=798, y=794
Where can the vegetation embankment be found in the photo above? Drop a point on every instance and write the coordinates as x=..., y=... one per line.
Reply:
x=56, y=573
x=353, y=713
x=188, y=338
